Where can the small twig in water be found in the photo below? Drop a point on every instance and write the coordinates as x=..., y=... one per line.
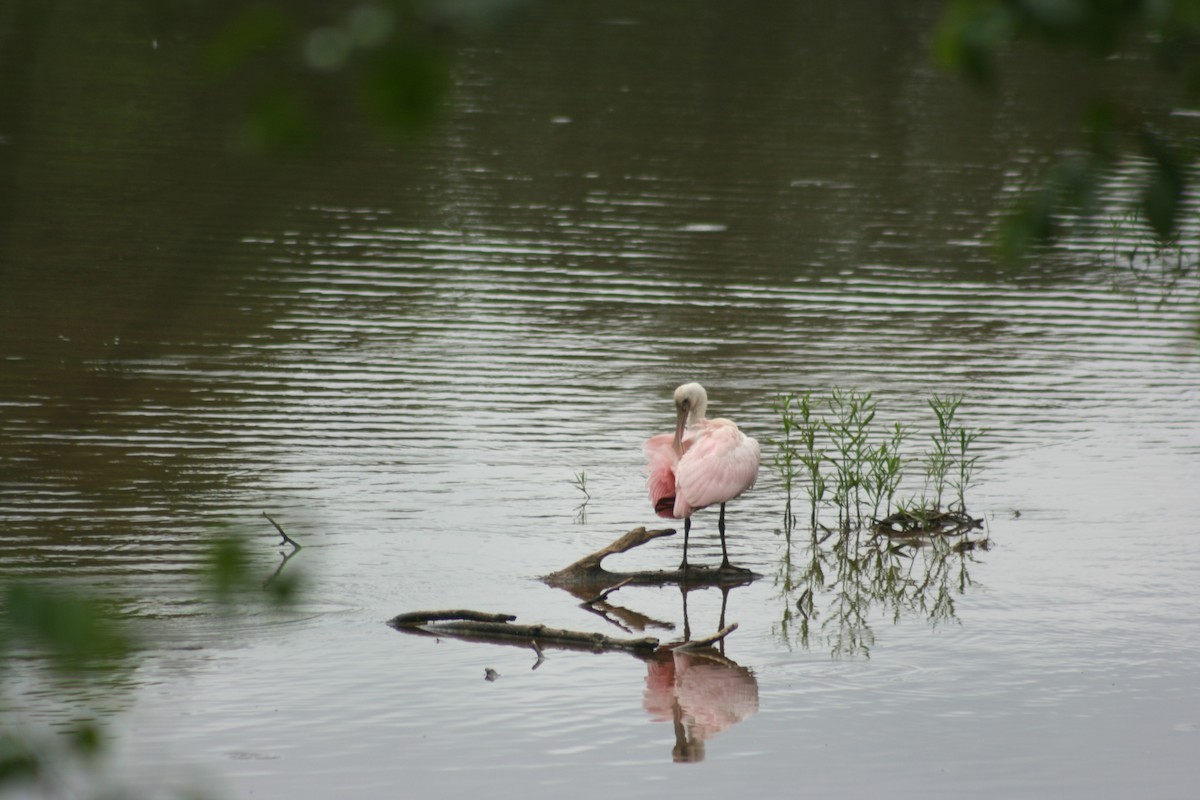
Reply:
x=286, y=539
x=537, y=648
x=604, y=595
x=708, y=640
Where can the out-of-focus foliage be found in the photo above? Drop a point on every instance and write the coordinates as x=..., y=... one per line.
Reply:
x=74, y=631
x=231, y=577
x=81, y=639
x=296, y=63
x=1122, y=35
x=87, y=642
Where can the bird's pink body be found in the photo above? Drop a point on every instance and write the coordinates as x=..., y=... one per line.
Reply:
x=718, y=463
x=705, y=462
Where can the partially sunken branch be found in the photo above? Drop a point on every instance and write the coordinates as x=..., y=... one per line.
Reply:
x=586, y=577
x=499, y=629
x=421, y=617
x=286, y=539
x=593, y=584
x=706, y=641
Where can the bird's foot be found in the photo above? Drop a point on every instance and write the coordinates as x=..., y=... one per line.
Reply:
x=730, y=568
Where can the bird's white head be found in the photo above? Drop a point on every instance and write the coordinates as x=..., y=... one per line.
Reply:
x=691, y=401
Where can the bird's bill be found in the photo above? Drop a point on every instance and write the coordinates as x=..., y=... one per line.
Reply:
x=680, y=424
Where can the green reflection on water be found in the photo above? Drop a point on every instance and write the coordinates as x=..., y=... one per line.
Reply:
x=836, y=588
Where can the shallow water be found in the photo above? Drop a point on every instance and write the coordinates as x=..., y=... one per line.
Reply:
x=406, y=357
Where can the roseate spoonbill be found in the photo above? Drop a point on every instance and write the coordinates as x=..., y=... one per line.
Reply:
x=706, y=461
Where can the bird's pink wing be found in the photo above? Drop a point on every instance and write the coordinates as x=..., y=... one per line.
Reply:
x=660, y=468
x=721, y=463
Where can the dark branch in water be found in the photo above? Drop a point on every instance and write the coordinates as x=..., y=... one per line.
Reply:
x=604, y=595
x=282, y=563
x=540, y=655
x=418, y=618
x=706, y=641
x=589, y=581
x=586, y=576
x=478, y=626
x=286, y=539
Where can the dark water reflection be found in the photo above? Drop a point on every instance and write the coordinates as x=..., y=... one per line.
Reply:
x=405, y=355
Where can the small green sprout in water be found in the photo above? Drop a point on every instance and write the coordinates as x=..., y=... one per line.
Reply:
x=580, y=483
x=799, y=446
x=885, y=470
x=848, y=428
x=785, y=455
x=950, y=465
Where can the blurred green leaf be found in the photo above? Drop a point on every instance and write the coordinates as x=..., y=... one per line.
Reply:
x=86, y=740
x=371, y=25
x=1070, y=187
x=18, y=762
x=970, y=38
x=403, y=86
x=284, y=588
x=255, y=30
x=279, y=120
x=328, y=48
x=232, y=574
x=227, y=570
x=76, y=631
x=969, y=35
x=1100, y=122
x=1164, y=187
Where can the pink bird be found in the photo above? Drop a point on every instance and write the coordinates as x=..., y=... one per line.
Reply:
x=706, y=461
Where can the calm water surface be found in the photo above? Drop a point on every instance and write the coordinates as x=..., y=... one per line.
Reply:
x=406, y=356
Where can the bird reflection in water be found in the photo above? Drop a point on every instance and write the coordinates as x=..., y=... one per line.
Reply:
x=690, y=682
x=698, y=688
x=701, y=693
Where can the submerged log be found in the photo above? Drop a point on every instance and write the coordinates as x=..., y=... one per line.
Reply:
x=586, y=577
x=499, y=629
x=414, y=618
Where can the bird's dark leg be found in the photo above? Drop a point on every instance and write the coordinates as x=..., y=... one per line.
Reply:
x=721, y=527
x=687, y=528
x=721, y=623
x=687, y=626
x=725, y=565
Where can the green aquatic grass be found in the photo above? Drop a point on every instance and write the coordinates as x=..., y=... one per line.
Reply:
x=854, y=468
x=889, y=528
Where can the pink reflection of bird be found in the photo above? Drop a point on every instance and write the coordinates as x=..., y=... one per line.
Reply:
x=702, y=692
x=706, y=461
